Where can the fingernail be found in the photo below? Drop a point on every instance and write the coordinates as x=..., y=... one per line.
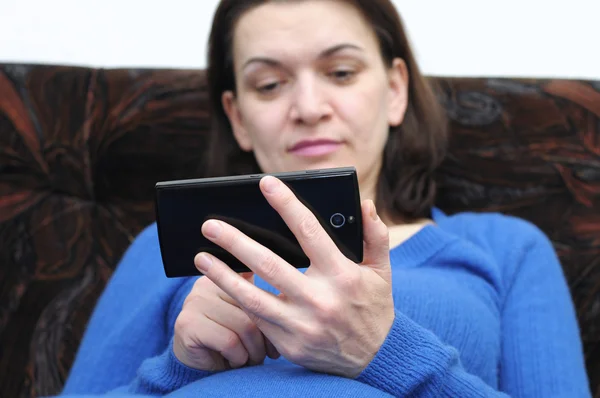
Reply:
x=374, y=215
x=203, y=262
x=270, y=184
x=271, y=350
x=234, y=365
x=212, y=229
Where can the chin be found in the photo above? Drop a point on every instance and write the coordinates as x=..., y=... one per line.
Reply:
x=319, y=163
x=330, y=165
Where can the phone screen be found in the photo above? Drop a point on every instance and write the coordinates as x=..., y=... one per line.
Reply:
x=181, y=211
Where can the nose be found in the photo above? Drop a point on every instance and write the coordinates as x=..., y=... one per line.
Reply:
x=309, y=104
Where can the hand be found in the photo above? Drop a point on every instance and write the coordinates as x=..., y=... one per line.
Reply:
x=332, y=319
x=212, y=333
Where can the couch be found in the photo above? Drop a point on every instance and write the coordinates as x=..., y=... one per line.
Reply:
x=81, y=149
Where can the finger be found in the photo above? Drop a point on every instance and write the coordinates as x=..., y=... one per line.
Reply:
x=217, y=338
x=233, y=318
x=315, y=241
x=376, y=240
x=249, y=276
x=261, y=304
x=258, y=258
x=271, y=350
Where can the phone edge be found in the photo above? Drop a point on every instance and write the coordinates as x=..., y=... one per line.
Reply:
x=249, y=178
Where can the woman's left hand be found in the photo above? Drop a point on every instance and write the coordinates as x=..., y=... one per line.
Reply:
x=331, y=319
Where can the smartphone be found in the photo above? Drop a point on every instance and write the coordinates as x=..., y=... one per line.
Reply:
x=182, y=207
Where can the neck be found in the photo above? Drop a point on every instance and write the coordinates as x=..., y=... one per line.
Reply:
x=368, y=190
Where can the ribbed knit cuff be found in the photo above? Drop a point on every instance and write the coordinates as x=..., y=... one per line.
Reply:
x=410, y=356
x=165, y=373
x=181, y=374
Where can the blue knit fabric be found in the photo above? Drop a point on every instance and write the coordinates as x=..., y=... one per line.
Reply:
x=482, y=309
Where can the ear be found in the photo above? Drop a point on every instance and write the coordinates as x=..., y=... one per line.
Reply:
x=232, y=110
x=398, y=92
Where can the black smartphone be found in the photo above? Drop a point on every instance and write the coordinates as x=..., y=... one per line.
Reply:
x=182, y=207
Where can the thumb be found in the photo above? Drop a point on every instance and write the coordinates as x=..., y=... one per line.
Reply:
x=376, y=254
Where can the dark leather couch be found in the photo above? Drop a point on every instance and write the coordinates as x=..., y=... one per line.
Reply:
x=81, y=149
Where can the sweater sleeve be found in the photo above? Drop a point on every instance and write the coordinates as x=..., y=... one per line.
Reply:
x=540, y=324
x=413, y=362
x=138, y=304
x=160, y=375
x=541, y=348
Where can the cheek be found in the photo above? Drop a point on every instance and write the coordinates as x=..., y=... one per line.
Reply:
x=264, y=123
x=366, y=113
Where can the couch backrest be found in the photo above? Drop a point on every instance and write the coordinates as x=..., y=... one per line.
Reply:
x=81, y=150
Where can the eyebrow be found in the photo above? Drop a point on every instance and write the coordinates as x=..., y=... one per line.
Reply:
x=324, y=54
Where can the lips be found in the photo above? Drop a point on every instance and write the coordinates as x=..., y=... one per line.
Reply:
x=318, y=147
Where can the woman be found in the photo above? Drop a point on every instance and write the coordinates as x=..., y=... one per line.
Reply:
x=468, y=305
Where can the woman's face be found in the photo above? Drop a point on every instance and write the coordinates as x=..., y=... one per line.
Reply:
x=312, y=88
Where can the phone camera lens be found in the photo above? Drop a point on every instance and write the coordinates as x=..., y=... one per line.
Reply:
x=337, y=220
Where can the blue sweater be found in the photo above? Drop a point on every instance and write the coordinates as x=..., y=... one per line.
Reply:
x=482, y=310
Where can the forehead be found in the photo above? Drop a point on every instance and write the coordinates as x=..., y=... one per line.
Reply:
x=300, y=29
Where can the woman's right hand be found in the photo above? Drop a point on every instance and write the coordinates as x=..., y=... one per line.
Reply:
x=212, y=333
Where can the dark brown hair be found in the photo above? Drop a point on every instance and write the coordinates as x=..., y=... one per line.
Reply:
x=414, y=150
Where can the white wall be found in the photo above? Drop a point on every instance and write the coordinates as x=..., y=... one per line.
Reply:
x=542, y=38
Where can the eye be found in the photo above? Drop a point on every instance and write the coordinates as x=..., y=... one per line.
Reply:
x=342, y=75
x=268, y=88
x=271, y=90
